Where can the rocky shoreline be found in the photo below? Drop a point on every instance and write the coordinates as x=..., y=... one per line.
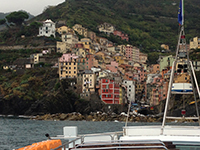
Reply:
x=98, y=116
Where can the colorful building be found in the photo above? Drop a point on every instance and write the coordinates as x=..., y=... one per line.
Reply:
x=110, y=91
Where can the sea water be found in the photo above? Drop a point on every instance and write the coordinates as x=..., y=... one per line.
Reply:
x=18, y=132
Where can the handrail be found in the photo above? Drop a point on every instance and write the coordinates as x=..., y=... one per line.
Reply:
x=67, y=143
x=81, y=137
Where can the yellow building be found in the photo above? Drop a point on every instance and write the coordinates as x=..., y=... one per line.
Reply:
x=143, y=57
x=68, y=69
x=121, y=96
x=61, y=47
x=89, y=80
x=182, y=78
x=120, y=59
x=35, y=58
x=103, y=74
x=81, y=52
x=64, y=29
x=86, y=43
x=166, y=47
x=80, y=30
x=195, y=43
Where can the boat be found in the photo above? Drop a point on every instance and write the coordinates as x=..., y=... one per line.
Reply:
x=144, y=137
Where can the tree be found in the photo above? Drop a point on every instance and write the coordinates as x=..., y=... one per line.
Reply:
x=17, y=17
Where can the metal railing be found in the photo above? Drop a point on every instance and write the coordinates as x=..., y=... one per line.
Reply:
x=114, y=136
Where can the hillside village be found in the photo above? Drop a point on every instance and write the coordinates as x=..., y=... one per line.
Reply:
x=117, y=73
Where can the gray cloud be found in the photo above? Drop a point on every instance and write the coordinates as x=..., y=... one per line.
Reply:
x=35, y=7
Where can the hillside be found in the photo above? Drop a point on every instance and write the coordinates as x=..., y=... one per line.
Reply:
x=39, y=91
x=149, y=23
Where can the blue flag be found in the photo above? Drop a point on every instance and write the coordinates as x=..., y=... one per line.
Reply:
x=180, y=13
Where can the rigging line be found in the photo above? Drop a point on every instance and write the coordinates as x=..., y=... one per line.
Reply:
x=129, y=107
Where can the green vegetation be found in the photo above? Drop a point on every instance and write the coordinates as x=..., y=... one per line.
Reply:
x=17, y=17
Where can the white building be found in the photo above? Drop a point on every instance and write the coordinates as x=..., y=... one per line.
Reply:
x=130, y=87
x=47, y=29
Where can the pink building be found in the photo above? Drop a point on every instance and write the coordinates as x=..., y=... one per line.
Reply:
x=122, y=35
x=67, y=57
x=129, y=52
x=112, y=67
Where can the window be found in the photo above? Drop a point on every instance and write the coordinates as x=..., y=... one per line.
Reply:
x=66, y=71
x=74, y=67
x=69, y=67
x=74, y=71
x=66, y=68
x=69, y=71
x=74, y=63
x=129, y=90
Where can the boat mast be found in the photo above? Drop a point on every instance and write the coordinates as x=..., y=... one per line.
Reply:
x=181, y=54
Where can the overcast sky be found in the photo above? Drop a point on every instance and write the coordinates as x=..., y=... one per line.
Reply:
x=34, y=7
